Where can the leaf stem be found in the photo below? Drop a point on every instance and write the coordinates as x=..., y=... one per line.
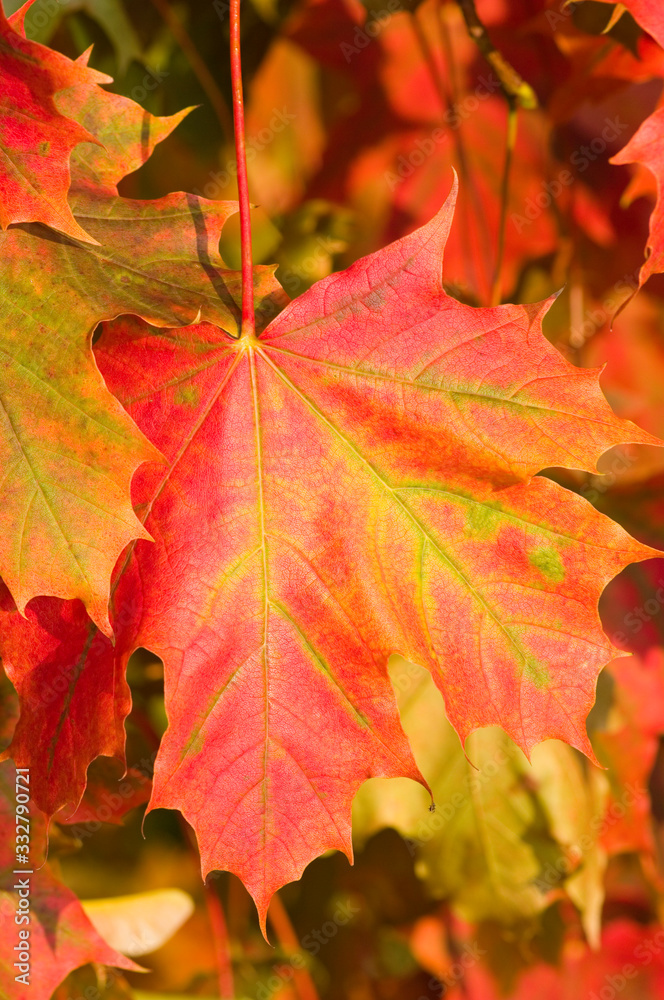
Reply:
x=448, y=100
x=248, y=319
x=512, y=119
x=437, y=78
x=288, y=940
x=464, y=160
x=514, y=86
x=222, y=948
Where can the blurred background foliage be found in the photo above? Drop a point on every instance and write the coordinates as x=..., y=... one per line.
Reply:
x=529, y=878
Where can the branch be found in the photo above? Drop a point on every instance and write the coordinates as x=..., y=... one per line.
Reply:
x=516, y=89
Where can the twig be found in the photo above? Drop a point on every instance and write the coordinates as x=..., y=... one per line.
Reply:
x=448, y=101
x=514, y=86
x=512, y=119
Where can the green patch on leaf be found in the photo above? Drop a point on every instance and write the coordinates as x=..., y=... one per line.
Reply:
x=482, y=522
x=187, y=395
x=537, y=672
x=548, y=562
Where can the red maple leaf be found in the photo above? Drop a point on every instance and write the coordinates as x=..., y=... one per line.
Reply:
x=356, y=481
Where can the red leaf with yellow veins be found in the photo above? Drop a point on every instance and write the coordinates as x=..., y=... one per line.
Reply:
x=354, y=482
x=36, y=139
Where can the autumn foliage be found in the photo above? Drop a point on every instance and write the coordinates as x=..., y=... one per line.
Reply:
x=403, y=530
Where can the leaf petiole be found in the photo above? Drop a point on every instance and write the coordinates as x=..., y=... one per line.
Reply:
x=248, y=319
